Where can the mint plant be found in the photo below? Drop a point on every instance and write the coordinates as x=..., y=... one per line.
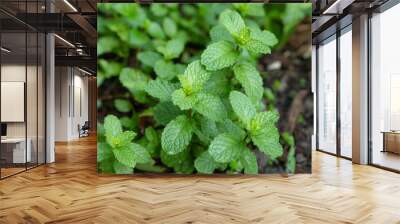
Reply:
x=194, y=97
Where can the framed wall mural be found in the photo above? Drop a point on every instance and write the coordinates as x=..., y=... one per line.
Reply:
x=204, y=88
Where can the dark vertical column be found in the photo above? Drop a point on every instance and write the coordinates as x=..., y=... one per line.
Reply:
x=37, y=89
x=317, y=95
x=338, y=74
x=26, y=86
x=369, y=40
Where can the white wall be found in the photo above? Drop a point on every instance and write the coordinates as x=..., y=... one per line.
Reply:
x=62, y=81
x=71, y=94
x=12, y=73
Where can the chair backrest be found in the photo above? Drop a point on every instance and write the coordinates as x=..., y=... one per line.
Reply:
x=86, y=125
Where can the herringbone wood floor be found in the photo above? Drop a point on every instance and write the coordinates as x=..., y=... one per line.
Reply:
x=70, y=191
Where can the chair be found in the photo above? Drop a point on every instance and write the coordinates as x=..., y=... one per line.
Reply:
x=84, y=130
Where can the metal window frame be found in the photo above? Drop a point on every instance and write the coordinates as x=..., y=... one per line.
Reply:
x=339, y=32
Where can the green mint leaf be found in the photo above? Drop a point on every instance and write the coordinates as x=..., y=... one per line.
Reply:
x=265, y=135
x=288, y=138
x=106, y=45
x=263, y=119
x=228, y=126
x=172, y=49
x=129, y=122
x=125, y=155
x=205, y=163
x=225, y=148
x=219, y=32
x=261, y=41
x=210, y=106
x=249, y=77
x=249, y=162
x=251, y=9
x=113, y=132
x=218, y=84
x=133, y=79
x=176, y=135
x=158, y=10
x=164, y=112
x=160, y=89
x=291, y=156
x=120, y=168
x=149, y=58
x=109, y=68
x=112, y=126
x=194, y=78
x=202, y=136
x=169, y=27
x=155, y=30
x=132, y=11
x=232, y=21
x=209, y=127
x=181, y=162
x=140, y=153
x=104, y=151
x=140, y=96
x=121, y=139
x=176, y=159
x=266, y=138
x=219, y=55
x=123, y=105
x=185, y=168
x=183, y=101
x=236, y=166
x=151, y=168
x=291, y=160
x=106, y=166
x=242, y=106
x=151, y=135
x=165, y=70
x=136, y=38
x=243, y=36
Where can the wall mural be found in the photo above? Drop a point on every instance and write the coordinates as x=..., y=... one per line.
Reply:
x=204, y=88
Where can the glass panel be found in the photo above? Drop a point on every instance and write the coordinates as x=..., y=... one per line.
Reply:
x=346, y=94
x=327, y=96
x=385, y=84
x=41, y=99
x=32, y=88
x=14, y=152
x=32, y=98
x=23, y=89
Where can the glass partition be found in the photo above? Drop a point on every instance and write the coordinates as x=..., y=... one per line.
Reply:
x=327, y=95
x=385, y=89
x=22, y=95
x=346, y=92
x=41, y=97
x=15, y=152
x=32, y=97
